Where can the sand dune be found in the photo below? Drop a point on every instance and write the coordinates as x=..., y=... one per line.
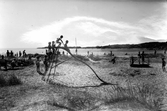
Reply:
x=75, y=87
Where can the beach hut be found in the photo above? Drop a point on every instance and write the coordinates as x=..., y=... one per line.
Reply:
x=139, y=62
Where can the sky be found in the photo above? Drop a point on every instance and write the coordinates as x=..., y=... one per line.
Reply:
x=34, y=23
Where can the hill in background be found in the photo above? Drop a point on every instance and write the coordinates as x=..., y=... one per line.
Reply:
x=148, y=45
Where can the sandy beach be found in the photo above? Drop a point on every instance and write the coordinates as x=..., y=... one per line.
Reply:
x=75, y=87
x=83, y=55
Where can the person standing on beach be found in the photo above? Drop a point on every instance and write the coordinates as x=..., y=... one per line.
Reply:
x=132, y=60
x=7, y=53
x=163, y=64
x=19, y=53
x=46, y=63
x=139, y=56
x=63, y=53
x=155, y=52
x=88, y=53
x=46, y=52
x=49, y=50
x=38, y=64
x=142, y=56
x=24, y=53
x=11, y=53
x=111, y=53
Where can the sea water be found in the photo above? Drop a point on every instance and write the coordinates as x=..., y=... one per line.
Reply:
x=86, y=51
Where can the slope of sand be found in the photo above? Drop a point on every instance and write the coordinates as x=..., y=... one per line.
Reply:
x=37, y=95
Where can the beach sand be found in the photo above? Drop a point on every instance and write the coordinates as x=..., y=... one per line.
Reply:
x=75, y=87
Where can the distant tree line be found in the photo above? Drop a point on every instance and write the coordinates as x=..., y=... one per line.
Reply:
x=147, y=45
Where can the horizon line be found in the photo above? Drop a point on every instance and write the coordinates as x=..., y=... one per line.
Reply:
x=83, y=46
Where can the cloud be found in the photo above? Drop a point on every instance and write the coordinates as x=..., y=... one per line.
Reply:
x=156, y=25
x=89, y=31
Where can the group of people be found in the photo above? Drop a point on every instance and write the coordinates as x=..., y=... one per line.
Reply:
x=53, y=46
x=113, y=59
x=18, y=54
x=53, y=52
x=142, y=56
x=9, y=54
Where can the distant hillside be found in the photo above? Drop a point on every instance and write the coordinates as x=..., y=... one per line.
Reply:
x=148, y=45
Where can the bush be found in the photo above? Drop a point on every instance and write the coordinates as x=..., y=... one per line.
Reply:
x=73, y=100
x=148, y=95
x=3, y=81
x=13, y=80
x=79, y=100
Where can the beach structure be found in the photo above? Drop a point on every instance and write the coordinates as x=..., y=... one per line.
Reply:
x=140, y=61
x=51, y=62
